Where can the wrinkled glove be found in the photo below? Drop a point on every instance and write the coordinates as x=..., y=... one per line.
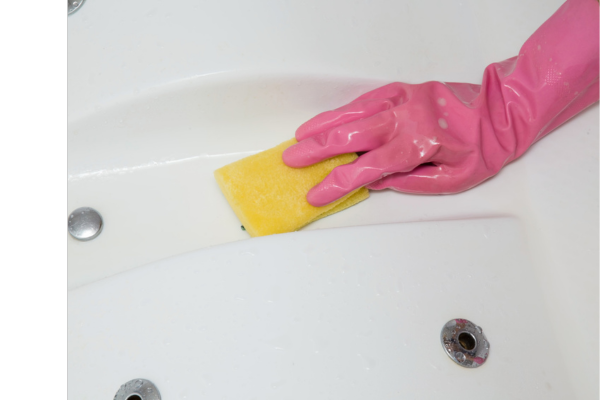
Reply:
x=442, y=138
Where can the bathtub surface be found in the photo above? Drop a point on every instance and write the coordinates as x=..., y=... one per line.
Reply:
x=161, y=95
x=350, y=313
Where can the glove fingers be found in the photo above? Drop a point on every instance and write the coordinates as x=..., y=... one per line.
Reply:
x=396, y=92
x=425, y=179
x=429, y=179
x=363, y=135
x=350, y=112
x=370, y=167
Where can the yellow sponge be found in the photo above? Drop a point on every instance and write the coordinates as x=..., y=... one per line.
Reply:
x=269, y=197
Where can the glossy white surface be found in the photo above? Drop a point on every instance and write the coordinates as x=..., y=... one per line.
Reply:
x=124, y=48
x=160, y=96
x=348, y=313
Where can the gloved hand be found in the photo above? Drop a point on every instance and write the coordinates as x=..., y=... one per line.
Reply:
x=442, y=138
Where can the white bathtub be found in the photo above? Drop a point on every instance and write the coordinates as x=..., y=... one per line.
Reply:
x=161, y=94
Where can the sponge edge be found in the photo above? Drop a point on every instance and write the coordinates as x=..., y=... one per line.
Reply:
x=269, y=197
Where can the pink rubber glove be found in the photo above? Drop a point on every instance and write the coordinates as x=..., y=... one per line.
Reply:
x=442, y=138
